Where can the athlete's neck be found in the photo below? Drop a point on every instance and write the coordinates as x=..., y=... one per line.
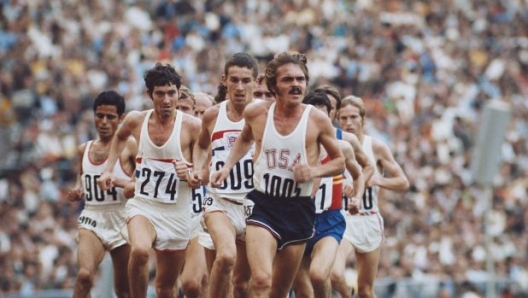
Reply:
x=286, y=111
x=361, y=136
x=163, y=120
x=104, y=141
x=238, y=108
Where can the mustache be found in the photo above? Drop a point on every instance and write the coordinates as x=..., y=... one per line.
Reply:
x=295, y=89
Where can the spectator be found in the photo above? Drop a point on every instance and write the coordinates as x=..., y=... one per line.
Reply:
x=424, y=69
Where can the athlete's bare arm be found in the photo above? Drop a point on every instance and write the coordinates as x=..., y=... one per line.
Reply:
x=393, y=176
x=191, y=127
x=130, y=188
x=361, y=157
x=255, y=119
x=320, y=131
x=358, y=184
x=353, y=168
x=131, y=126
x=128, y=161
x=202, y=147
x=76, y=193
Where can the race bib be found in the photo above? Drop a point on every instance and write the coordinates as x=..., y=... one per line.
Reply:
x=323, y=197
x=278, y=186
x=157, y=180
x=93, y=195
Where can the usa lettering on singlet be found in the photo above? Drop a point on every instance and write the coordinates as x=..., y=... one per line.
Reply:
x=91, y=173
x=224, y=134
x=273, y=167
x=330, y=192
x=370, y=196
x=156, y=178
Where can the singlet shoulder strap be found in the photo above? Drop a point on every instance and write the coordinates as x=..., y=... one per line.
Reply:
x=339, y=133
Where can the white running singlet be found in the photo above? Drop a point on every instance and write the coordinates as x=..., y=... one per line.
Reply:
x=273, y=174
x=370, y=196
x=156, y=178
x=91, y=172
x=223, y=136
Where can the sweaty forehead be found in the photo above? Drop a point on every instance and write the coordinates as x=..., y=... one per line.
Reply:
x=185, y=101
x=290, y=70
x=106, y=109
x=349, y=110
x=239, y=72
x=165, y=87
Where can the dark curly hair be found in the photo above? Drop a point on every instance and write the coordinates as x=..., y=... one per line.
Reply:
x=318, y=99
x=161, y=75
x=221, y=94
x=110, y=98
x=332, y=91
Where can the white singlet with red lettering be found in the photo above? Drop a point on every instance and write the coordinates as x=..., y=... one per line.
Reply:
x=273, y=167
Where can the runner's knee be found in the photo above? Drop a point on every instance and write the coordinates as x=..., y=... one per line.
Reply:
x=140, y=254
x=261, y=281
x=85, y=277
x=225, y=261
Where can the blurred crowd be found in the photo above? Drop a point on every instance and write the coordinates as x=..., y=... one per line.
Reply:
x=426, y=70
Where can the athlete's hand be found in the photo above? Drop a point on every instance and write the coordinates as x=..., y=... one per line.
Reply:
x=75, y=194
x=106, y=181
x=218, y=177
x=121, y=183
x=348, y=190
x=129, y=189
x=205, y=176
x=181, y=169
x=373, y=181
x=353, y=205
x=302, y=173
x=184, y=172
x=195, y=177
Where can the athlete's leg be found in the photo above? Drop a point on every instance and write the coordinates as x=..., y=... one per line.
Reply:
x=337, y=275
x=120, y=258
x=323, y=257
x=285, y=266
x=367, y=266
x=90, y=253
x=210, y=256
x=194, y=277
x=141, y=235
x=241, y=272
x=168, y=268
x=223, y=233
x=302, y=286
x=261, y=247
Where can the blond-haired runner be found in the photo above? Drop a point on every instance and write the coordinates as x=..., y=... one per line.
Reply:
x=313, y=277
x=364, y=233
